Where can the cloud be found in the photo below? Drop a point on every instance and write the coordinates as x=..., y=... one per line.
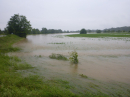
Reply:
x=68, y=14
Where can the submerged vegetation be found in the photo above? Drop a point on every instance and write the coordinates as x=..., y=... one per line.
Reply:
x=82, y=75
x=58, y=57
x=57, y=43
x=74, y=57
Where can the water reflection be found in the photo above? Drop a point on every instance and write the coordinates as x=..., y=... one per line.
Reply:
x=73, y=68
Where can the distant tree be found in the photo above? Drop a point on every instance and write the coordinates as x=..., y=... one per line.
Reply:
x=44, y=31
x=118, y=31
x=89, y=31
x=98, y=31
x=104, y=31
x=19, y=25
x=129, y=31
x=0, y=31
x=108, y=31
x=83, y=31
x=113, y=30
x=5, y=31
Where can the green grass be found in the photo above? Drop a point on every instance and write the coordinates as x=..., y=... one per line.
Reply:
x=6, y=43
x=101, y=35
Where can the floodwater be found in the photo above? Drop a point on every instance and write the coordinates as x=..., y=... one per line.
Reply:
x=104, y=59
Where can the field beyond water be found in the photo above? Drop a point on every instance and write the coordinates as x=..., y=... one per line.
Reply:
x=26, y=69
x=101, y=35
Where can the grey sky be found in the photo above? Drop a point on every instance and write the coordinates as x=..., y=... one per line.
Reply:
x=68, y=14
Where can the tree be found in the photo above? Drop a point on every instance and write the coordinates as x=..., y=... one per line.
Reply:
x=89, y=31
x=83, y=31
x=98, y=31
x=0, y=31
x=44, y=31
x=19, y=25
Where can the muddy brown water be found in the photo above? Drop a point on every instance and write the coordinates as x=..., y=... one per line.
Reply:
x=104, y=59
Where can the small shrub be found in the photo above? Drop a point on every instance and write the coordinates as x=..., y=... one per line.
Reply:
x=58, y=57
x=40, y=56
x=83, y=31
x=82, y=75
x=74, y=57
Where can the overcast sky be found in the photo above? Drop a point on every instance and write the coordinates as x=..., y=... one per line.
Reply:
x=68, y=14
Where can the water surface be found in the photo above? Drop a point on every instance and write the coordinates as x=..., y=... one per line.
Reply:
x=105, y=59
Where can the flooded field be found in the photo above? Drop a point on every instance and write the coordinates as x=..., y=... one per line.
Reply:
x=105, y=60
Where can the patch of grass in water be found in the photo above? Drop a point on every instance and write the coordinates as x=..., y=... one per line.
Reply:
x=38, y=56
x=109, y=56
x=58, y=56
x=57, y=43
x=84, y=76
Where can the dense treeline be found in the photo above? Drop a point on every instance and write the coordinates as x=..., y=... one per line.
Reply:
x=45, y=31
x=111, y=30
x=118, y=29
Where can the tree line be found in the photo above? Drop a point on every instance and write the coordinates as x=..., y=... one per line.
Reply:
x=19, y=25
x=45, y=31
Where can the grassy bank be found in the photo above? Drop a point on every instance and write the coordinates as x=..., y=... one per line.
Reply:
x=101, y=35
x=13, y=84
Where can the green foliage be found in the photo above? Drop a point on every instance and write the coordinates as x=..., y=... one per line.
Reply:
x=19, y=25
x=45, y=31
x=74, y=57
x=38, y=56
x=58, y=57
x=83, y=31
x=119, y=31
x=0, y=31
x=82, y=75
x=98, y=31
